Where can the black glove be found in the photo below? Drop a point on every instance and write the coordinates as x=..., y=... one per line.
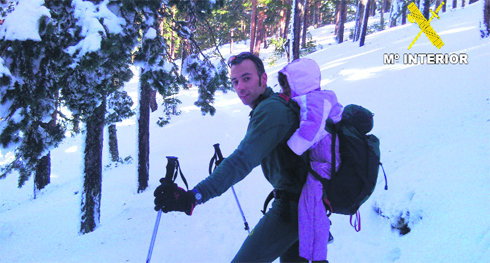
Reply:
x=170, y=197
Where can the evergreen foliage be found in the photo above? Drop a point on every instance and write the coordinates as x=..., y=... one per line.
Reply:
x=119, y=107
x=30, y=99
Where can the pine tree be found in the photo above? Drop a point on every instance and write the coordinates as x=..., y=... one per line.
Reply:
x=159, y=72
x=101, y=54
x=198, y=68
x=287, y=23
x=253, y=26
x=92, y=183
x=359, y=16
x=152, y=58
x=215, y=28
x=396, y=11
x=260, y=34
x=426, y=11
x=37, y=64
x=305, y=23
x=118, y=108
x=342, y=20
x=382, y=14
x=365, y=23
x=298, y=14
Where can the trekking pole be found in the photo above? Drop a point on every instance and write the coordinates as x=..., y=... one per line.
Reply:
x=173, y=169
x=218, y=158
x=154, y=236
x=241, y=211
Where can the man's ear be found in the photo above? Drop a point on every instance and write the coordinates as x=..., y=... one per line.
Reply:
x=263, y=78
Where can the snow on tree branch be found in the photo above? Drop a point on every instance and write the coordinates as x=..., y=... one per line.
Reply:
x=23, y=22
x=96, y=21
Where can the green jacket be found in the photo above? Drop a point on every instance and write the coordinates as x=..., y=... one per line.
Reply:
x=271, y=124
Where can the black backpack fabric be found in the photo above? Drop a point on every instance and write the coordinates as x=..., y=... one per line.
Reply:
x=356, y=178
x=354, y=182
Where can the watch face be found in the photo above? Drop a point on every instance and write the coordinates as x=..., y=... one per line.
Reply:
x=198, y=196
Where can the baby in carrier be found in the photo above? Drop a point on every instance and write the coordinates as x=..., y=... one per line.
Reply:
x=300, y=80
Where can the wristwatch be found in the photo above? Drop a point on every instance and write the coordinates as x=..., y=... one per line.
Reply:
x=197, y=196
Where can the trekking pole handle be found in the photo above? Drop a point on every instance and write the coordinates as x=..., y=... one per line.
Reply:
x=171, y=164
x=218, y=161
x=218, y=152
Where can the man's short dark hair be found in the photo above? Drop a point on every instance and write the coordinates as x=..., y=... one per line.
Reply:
x=237, y=59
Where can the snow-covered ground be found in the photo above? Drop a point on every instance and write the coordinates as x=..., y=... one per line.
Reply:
x=433, y=122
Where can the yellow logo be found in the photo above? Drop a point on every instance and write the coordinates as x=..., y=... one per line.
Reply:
x=417, y=17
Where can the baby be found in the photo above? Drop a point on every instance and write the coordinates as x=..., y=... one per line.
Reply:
x=300, y=80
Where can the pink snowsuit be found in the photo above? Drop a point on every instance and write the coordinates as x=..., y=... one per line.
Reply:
x=316, y=106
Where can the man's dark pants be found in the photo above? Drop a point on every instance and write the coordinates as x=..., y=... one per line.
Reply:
x=276, y=235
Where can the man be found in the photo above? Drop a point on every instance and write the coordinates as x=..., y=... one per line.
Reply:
x=272, y=122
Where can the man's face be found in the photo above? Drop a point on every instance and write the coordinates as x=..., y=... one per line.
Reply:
x=247, y=83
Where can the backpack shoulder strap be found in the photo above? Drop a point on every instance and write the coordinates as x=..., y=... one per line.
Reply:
x=285, y=97
x=333, y=160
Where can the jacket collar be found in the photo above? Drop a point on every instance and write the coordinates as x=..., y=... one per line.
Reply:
x=267, y=93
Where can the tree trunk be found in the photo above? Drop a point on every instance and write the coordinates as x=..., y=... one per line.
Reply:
x=337, y=17
x=172, y=33
x=462, y=3
x=359, y=16
x=113, y=149
x=282, y=21
x=404, y=14
x=305, y=24
x=253, y=18
x=186, y=51
x=264, y=37
x=76, y=124
x=153, y=100
x=43, y=173
x=42, y=176
x=373, y=8
x=455, y=4
x=144, y=136
x=172, y=45
x=444, y=6
x=288, y=20
x=438, y=2
x=365, y=23
x=382, y=15
x=387, y=4
x=392, y=16
x=485, y=30
x=343, y=9
x=288, y=45
x=298, y=10
x=314, y=13
x=321, y=15
x=231, y=40
x=92, y=185
x=260, y=32
x=426, y=9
